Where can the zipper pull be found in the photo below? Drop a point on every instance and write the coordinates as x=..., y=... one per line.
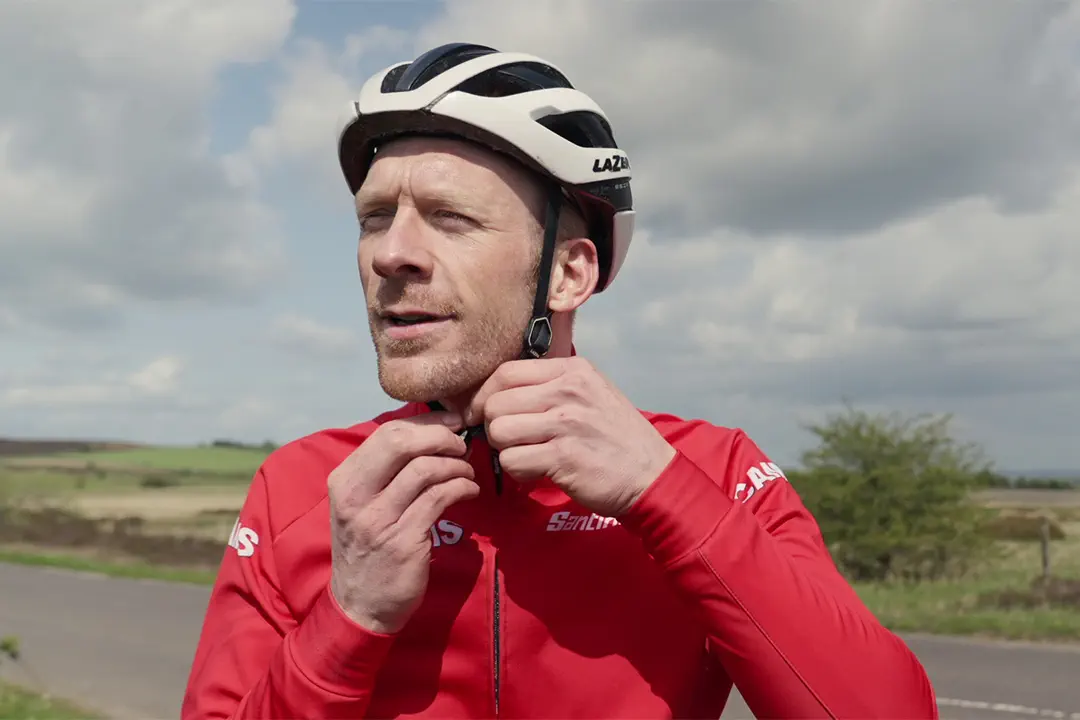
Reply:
x=496, y=469
x=468, y=435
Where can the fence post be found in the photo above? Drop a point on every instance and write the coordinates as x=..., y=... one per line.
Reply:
x=1044, y=540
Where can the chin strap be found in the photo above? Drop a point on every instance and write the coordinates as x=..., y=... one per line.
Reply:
x=538, y=335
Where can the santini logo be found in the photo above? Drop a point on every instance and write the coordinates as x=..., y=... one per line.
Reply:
x=758, y=476
x=615, y=163
x=445, y=532
x=561, y=521
x=244, y=539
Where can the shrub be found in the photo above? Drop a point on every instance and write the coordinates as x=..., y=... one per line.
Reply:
x=893, y=496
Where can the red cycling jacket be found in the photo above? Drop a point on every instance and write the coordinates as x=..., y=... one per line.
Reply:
x=538, y=608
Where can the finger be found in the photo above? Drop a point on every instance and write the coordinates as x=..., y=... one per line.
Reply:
x=510, y=430
x=418, y=475
x=519, y=400
x=527, y=462
x=435, y=500
x=369, y=468
x=512, y=374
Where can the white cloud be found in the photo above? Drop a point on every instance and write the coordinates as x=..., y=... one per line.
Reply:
x=958, y=301
x=816, y=118
x=157, y=379
x=311, y=103
x=160, y=377
x=313, y=340
x=109, y=193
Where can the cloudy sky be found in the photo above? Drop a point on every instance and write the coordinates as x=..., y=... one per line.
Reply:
x=876, y=201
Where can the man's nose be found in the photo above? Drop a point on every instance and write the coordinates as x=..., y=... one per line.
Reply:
x=402, y=250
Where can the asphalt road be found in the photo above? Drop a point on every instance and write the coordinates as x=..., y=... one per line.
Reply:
x=123, y=647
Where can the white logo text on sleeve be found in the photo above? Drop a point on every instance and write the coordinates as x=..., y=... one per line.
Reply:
x=756, y=477
x=243, y=539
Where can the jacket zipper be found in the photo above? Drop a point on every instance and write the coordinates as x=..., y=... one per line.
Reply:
x=497, y=634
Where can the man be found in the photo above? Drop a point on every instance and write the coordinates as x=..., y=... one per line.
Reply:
x=518, y=539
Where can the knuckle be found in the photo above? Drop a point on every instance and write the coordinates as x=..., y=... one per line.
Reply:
x=444, y=493
x=445, y=437
x=575, y=383
x=395, y=437
x=395, y=550
x=565, y=414
x=561, y=446
x=426, y=467
x=496, y=430
x=492, y=405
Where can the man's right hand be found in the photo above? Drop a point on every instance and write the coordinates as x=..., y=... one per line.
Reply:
x=384, y=498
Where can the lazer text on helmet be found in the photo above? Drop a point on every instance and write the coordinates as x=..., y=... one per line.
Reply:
x=613, y=163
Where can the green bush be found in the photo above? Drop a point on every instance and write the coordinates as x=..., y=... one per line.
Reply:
x=893, y=496
x=9, y=647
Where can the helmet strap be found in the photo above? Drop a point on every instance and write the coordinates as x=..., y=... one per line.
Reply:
x=539, y=333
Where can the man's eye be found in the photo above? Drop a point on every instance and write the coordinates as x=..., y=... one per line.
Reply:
x=376, y=220
x=453, y=216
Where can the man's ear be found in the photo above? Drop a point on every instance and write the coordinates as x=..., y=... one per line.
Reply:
x=574, y=274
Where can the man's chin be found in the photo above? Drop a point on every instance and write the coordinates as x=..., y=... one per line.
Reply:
x=420, y=379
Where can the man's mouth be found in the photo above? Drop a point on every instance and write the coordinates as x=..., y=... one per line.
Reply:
x=412, y=318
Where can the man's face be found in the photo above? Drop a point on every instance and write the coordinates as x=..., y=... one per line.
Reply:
x=448, y=250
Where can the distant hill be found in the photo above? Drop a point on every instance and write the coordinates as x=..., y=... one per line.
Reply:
x=14, y=447
x=1046, y=479
x=1073, y=475
x=1036, y=475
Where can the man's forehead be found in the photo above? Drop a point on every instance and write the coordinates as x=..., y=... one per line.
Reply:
x=441, y=168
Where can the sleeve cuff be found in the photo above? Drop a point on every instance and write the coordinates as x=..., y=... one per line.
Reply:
x=336, y=652
x=678, y=512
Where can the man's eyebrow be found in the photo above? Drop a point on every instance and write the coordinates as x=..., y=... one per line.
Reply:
x=367, y=201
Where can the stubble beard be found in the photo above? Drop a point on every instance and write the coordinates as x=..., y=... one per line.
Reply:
x=410, y=372
x=485, y=342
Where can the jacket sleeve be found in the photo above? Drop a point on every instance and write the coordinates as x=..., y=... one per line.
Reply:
x=254, y=659
x=789, y=630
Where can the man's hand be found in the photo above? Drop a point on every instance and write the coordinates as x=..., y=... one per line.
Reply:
x=560, y=418
x=384, y=497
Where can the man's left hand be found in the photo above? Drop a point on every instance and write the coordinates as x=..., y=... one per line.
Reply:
x=560, y=418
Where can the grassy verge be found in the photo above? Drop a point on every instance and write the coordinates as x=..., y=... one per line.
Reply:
x=964, y=607
x=952, y=608
x=117, y=568
x=19, y=704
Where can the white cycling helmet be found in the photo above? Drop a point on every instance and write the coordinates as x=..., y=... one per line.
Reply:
x=513, y=103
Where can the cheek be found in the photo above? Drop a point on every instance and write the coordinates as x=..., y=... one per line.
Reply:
x=498, y=285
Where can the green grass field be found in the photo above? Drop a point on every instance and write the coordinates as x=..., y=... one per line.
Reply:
x=109, y=567
x=201, y=459
x=77, y=476
x=18, y=703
